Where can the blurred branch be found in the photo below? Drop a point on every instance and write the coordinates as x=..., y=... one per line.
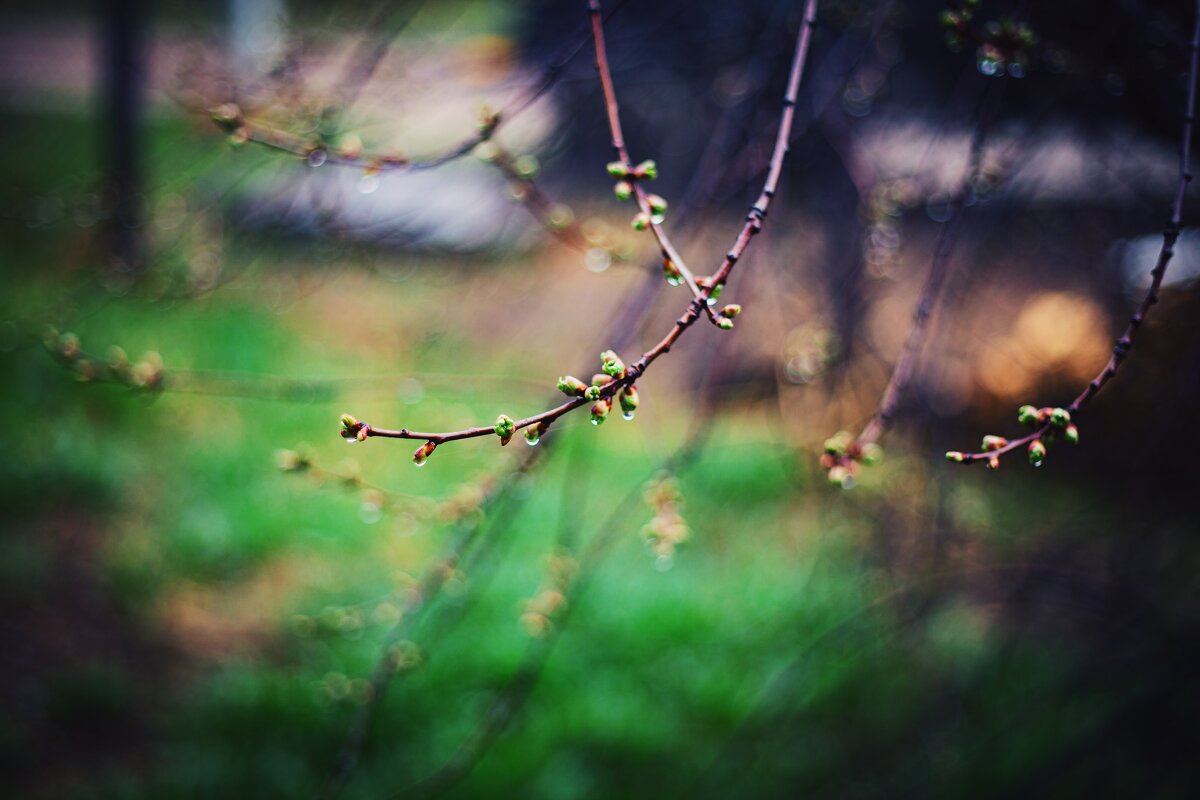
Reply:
x=1048, y=421
x=842, y=455
x=621, y=379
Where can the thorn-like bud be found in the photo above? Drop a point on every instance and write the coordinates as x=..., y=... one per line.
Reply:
x=600, y=410
x=617, y=169
x=623, y=190
x=423, y=452
x=1027, y=415
x=731, y=310
x=725, y=323
x=640, y=221
x=628, y=398
x=993, y=442
x=592, y=393
x=955, y=456
x=611, y=364
x=571, y=386
x=504, y=427
x=1071, y=434
x=1060, y=417
x=1037, y=452
x=647, y=170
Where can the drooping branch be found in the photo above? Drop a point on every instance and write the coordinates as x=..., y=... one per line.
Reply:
x=1046, y=421
x=621, y=377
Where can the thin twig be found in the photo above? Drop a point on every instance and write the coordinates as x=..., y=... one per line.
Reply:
x=1170, y=237
x=750, y=228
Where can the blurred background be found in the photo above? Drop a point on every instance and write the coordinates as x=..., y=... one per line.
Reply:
x=214, y=244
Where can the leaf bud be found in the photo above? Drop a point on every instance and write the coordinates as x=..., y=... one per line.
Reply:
x=600, y=410
x=504, y=426
x=641, y=221
x=955, y=456
x=423, y=452
x=1071, y=434
x=1037, y=452
x=618, y=169
x=612, y=364
x=623, y=190
x=1027, y=415
x=629, y=399
x=571, y=386
x=731, y=310
x=1060, y=417
x=647, y=169
x=592, y=393
x=994, y=442
x=724, y=323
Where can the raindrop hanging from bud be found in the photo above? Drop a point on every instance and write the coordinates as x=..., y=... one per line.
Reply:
x=317, y=157
x=533, y=435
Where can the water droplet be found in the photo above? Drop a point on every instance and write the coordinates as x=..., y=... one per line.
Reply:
x=370, y=512
x=674, y=280
x=712, y=301
x=627, y=415
x=664, y=563
x=351, y=440
x=368, y=183
x=532, y=440
x=595, y=422
x=317, y=157
x=420, y=462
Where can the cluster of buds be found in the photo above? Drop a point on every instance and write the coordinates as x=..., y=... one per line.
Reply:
x=353, y=430
x=1048, y=421
x=656, y=207
x=666, y=530
x=115, y=367
x=539, y=611
x=844, y=455
x=1003, y=45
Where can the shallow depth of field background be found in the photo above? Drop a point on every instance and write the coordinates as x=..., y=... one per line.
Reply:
x=179, y=617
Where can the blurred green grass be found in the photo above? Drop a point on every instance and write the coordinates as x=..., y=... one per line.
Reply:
x=803, y=639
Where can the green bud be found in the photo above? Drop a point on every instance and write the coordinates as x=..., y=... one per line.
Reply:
x=629, y=399
x=349, y=422
x=592, y=393
x=504, y=426
x=955, y=456
x=993, y=463
x=658, y=205
x=1060, y=417
x=725, y=323
x=714, y=294
x=599, y=379
x=611, y=364
x=617, y=169
x=871, y=454
x=600, y=410
x=641, y=221
x=1071, y=434
x=1037, y=452
x=841, y=477
x=571, y=386
x=647, y=169
x=994, y=442
x=1027, y=415
x=731, y=310
x=837, y=444
x=671, y=272
x=623, y=190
